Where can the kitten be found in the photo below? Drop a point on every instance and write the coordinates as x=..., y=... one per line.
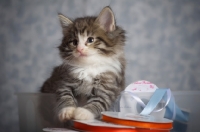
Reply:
x=92, y=74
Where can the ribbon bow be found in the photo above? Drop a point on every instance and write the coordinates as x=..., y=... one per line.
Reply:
x=172, y=110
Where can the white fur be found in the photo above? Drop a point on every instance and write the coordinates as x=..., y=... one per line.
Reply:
x=83, y=114
x=99, y=66
x=82, y=39
x=66, y=113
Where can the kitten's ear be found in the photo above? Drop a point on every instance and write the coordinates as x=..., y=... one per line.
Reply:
x=106, y=19
x=64, y=20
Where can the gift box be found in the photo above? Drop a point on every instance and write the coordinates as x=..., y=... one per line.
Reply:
x=136, y=93
x=145, y=98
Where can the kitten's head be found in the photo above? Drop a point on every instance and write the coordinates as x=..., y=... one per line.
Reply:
x=90, y=40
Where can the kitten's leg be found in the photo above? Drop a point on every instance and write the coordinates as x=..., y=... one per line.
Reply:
x=96, y=104
x=66, y=113
x=83, y=114
x=66, y=104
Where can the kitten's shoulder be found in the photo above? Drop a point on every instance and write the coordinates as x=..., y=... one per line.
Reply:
x=59, y=75
x=61, y=69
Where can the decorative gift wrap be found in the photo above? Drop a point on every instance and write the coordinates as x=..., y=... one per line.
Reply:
x=135, y=96
x=145, y=98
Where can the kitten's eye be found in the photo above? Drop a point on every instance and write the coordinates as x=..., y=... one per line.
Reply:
x=90, y=40
x=75, y=42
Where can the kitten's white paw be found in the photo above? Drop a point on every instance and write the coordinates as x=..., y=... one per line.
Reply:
x=83, y=114
x=66, y=113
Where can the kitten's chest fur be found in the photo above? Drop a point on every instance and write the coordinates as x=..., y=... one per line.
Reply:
x=89, y=73
x=90, y=76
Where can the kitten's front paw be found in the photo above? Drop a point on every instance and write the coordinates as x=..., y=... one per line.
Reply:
x=83, y=114
x=66, y=113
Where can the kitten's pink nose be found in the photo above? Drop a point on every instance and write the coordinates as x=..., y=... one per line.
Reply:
x=80, y=49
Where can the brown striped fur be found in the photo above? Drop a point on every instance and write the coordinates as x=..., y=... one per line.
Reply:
x=89, y=81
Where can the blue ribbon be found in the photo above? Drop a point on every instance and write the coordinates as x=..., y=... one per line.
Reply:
x=172, y=110
x=153, y=102
x=162, y=94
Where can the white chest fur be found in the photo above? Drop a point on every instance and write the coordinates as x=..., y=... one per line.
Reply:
x=90, y=72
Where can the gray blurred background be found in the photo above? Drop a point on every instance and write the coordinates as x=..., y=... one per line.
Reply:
x=163, y=44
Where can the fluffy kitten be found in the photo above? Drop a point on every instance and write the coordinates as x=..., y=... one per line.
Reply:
x=92, y=74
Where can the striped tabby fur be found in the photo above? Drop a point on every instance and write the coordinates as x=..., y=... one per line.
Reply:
x=92, y=74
